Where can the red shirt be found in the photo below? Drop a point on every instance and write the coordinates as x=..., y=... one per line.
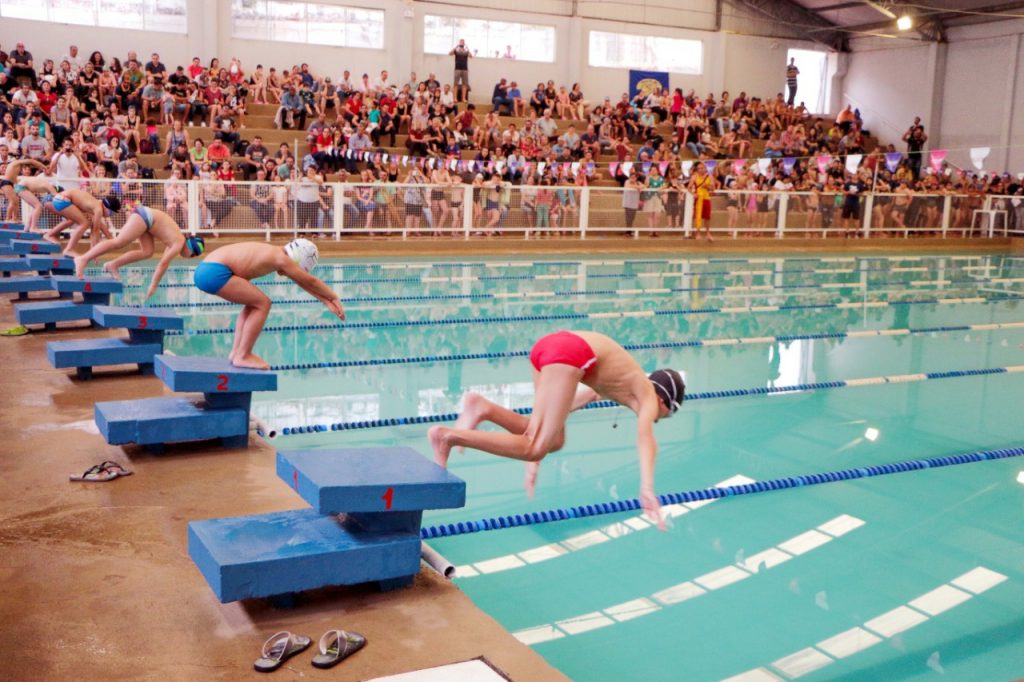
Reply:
x=194, y=70
x=324, y=140
x=387, y=104
x=226, y=172
x=47, y=101
x=213, y=95
x=218, y=151
x=355, y=104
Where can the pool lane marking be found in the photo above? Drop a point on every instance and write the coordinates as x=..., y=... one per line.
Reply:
x=501, y=319
x=696, y=587
x=692, y=343
x=876, y=630
x=724, y=291
x=461, y=279
x=707, y=395
x=575, y=543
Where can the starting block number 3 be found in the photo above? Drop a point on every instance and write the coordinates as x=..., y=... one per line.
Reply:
x=143, y=322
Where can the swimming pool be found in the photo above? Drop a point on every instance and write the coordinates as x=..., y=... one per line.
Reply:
x=896, y=577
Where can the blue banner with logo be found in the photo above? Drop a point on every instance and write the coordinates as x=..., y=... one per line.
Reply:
x=646, y=81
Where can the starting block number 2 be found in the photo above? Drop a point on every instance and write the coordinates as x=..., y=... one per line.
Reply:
x=222, y=382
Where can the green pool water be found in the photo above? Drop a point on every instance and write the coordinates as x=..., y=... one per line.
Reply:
x=908, y=576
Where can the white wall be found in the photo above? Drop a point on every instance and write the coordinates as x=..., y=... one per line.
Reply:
x=969, y=91
x=731, y=61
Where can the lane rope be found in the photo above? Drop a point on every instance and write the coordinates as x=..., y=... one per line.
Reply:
x=691, y=343
x=617, y=506
x=710, y=310
x=707, y=395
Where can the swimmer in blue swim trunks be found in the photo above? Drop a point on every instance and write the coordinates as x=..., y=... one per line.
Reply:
x=83, y=210
x=227, y=272
x=148, y=226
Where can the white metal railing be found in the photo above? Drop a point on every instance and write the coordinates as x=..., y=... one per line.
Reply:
x=466, y=211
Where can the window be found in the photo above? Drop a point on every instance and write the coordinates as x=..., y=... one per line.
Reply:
x=812, y=83
x=627, y=51
x=307, y=22
x=167, y=16
x=489, y=39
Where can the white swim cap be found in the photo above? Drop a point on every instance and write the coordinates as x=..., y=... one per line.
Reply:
x=303, y=252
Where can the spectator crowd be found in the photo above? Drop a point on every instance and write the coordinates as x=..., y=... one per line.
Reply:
x=91, y=119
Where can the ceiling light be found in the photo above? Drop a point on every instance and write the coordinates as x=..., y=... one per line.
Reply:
x=871, y=434
x=905, y=23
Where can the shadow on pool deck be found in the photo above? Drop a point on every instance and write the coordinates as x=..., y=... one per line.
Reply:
x=95, y=578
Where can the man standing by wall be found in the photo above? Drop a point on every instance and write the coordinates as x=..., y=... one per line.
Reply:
x=915, y=138
x=461, y=76
x=791, y=73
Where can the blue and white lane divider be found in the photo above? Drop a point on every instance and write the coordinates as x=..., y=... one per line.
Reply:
x=707, y=395
x=612, y=315
x=363, y=265
x=533, y=296
x=691, y=343
x=571, y=276
x=616, y=506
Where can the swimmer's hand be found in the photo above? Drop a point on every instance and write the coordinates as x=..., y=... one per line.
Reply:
x=152, y=289
x=334, y=305
x=530, y=480
x=652, y=508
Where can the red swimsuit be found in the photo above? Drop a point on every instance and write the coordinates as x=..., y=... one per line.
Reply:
x=562, y=348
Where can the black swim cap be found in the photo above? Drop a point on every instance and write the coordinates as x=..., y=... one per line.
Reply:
x=670, y=387
x=112, y=204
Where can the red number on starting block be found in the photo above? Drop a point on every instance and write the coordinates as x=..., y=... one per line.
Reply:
x=35, y=248
x=223, y=382
x=143, y=322
x=56, y=263
x=388, y=497
x=88, y=286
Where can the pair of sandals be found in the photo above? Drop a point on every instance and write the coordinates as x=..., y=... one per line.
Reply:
x=100, y=473
x=335, y=647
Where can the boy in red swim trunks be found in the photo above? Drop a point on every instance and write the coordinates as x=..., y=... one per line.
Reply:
x=561, y=362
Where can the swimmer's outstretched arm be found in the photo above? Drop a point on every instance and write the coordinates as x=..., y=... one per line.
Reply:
x=13, y=169
x=171, y=251
x=647, y=449
x=324, y=293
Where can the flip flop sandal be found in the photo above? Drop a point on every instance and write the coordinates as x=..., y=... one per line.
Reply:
x=279, y=648
x=20, y=330
x=336, y=646
x=107, y=471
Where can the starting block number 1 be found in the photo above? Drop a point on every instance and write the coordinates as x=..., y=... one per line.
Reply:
x=388, y=496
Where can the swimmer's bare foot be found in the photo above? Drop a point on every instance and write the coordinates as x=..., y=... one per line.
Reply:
x=69, y=253
x=440, y=444
x=250, y=361
x=110, y=270
x=80, y=264
x=474, y=407
x=52, y=240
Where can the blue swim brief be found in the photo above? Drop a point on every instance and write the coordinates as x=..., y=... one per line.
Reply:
x=59, y=203
x=211, y=277
x=146, y=214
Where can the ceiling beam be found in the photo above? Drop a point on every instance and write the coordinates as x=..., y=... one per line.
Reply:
x=817, y=28
x=924, y=17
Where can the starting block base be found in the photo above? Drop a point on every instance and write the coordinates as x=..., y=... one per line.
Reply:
x=49, y=313
x=84, y=354
x=157, y=421
x=286, y=552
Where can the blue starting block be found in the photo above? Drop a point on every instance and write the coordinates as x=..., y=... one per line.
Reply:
x=222, y=412
x=34, y=247
x=8, y=234
x=145, y=341
x=9, y=265
x=23, y=285
x=49, y=313
x=84, y=354
x=286, y=552
x=382, y=492
x=58, y=265
x=359, y=480
x=11, y=225
x=96, y=290
x=156, y=421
